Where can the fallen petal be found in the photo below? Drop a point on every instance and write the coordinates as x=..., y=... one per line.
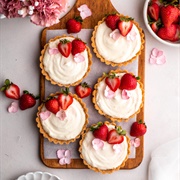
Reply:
x=161, y=60
x=61, y=115
x=53, y=51
x=108, y=93
x=13, y=108
x=117, y=148
x=60, y=153
x=115, y=34
x=125, y=94
x=79, y=58
x=155, y=52
x=97, y=144
x=44, y=115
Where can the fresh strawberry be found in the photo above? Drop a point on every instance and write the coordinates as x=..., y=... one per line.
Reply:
x=125, y=25
x=128, y=82
x=83, y=90
x=78, y=46
x=10, y=89
x=65, y=47
x=111, y=21
x=155, y=26
x=74, y=25
x=65, y=99
x=112, y=81
x=52, y=105
x=177, y=35
x=116, y=136
x=153, y=11
x=167, y=33
x=169, y=14
x=138, y=129
x=27, y=100
x=100, y=131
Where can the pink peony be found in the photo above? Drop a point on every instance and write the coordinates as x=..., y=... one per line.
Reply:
x=47, y=13
x=12, y=8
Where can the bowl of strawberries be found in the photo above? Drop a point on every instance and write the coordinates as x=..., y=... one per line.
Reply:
x=162, y=19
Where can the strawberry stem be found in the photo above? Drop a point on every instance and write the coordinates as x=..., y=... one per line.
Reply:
x=96, y=126
x=120, y=130
x=65, y=91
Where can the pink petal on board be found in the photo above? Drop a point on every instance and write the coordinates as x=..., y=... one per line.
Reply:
x=131, y=36
x=62, y=161
x=115, y=34
x=78, y=58
x=157, y=57
x=84, y=11
x=13, y=108
x=97, y=144
x=160, y=53
x=161, y=60
x=125, y=94
x=44, y=115
x=53, y=51
x=154, y=52
x=135, y=142
x=60, y=153
x=108, y=93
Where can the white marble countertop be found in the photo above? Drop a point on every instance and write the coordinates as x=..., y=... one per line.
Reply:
x=19, y=140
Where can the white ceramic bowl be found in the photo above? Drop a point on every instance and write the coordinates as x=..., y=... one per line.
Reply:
x=173, y=44
x=38, y=176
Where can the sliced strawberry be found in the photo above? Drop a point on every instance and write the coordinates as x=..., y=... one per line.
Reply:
x=177, y=35
x=100, y=131
x=138, y=128
x=112, y=81
x=116, y=136
x=128, y=82
x=83, y=90
x=27, y=100
x=155, y=26
x=169, y=14
x=65, y=99
x=125, y=25
x=74, y=25
x=52, y=105
x=111, y=21
x=78, y=46
x=65, y=47
x=154, y=11
x=10, y=90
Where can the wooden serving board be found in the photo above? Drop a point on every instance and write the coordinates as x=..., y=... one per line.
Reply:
x=99, y=8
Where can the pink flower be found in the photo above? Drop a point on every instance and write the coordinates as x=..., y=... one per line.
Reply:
x=61, y=115
x=125, y=94
x=44, y=115
x=135, y=142
x=64, y=156
x=47, y=13
x=13, y=108
x=13, y=8
x=79, y=58
x=108, y=93
x=97, y=144
x=115, y=34
x=84, y=11
x=157, y=57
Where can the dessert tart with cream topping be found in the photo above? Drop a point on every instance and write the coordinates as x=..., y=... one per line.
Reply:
x=65, y=60
x=118, y=95
x=117, y=40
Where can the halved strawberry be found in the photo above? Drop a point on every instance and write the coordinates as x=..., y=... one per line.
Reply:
x=65, y=47
x=52, y=105
x=111, y=21
x=112, y=81
x=78, y=46
x=128, y=82
x=65, y=99
x=155, y=26
x=154, y=11
x=100, y=131
x=116, y=136
x=125, y=25
x=10, y=90
x=83, y=90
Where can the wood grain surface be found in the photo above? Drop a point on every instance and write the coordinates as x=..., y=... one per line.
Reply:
x=99, y=8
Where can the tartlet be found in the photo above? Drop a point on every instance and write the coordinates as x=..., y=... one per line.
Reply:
x=66, y=129
x=60, y=70
x=117, y=52
x=107, y=158
x=117, y=108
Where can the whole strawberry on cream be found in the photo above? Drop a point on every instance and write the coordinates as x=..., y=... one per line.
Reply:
x=122, y=103
x=104, y=147
x=62, y=117
x=65, y=60
x=117, y=40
